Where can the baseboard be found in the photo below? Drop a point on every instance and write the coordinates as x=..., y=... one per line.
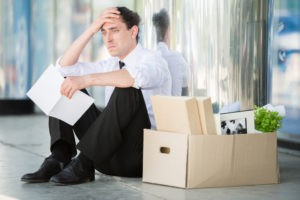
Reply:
x=289, y=144
x=16, y=106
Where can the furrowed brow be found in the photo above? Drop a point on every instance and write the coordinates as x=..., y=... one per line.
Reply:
x=113, y=28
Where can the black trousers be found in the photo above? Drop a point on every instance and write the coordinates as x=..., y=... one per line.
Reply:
x=112, y=139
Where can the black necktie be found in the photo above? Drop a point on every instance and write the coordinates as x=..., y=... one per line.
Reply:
x=121, y=64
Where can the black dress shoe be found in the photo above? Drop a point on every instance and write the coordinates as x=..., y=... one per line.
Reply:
x=49, y=168
x=74, y=173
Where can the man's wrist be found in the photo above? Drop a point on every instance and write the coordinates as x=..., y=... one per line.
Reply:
x=93, y=29
x=89, y=79
x=90, y=32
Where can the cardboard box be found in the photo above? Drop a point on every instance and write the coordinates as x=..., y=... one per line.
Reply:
x=197, y=161
x=176, y=114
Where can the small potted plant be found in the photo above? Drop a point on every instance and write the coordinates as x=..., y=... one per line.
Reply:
x=267, y=120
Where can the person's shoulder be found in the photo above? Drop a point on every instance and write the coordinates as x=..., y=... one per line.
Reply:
x=152, y=55
x=174, y=53
x=175, y=56
x=145, y=52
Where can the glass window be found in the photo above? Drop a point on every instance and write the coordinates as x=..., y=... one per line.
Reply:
x=14, y=49
x=285, y=61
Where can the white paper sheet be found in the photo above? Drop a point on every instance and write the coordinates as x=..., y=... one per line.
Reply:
x=45, y=93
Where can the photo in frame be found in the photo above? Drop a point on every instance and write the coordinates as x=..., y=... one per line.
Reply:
x=236, y=123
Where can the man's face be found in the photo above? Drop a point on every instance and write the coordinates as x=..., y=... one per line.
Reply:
x=118, y=39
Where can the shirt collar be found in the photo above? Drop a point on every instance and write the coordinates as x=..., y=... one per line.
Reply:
x=133, y=56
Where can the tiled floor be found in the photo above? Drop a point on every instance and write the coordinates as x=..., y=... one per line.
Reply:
x=24, y=143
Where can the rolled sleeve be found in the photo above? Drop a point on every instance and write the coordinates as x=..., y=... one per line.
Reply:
x=150, y=72
x=67, y=70
x=134, y=74
x=84, y=68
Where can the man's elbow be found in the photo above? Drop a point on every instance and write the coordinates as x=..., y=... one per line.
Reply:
x=127, y=80
x=126, y=83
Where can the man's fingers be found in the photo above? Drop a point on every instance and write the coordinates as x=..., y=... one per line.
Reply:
x=69, y=94
x=63, y=89
x=110, y=16
x=106, y=17
x=69, y=87
x=112, y=10
x=66, y=92
x=108, y=20
x=111, y=13
x=69, y=91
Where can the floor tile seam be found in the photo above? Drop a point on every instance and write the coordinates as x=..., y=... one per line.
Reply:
x=19, y=148
x=289, y=152
x=124, y=183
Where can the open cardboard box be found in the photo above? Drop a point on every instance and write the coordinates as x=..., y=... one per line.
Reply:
x=198, y=161
x=186, y=151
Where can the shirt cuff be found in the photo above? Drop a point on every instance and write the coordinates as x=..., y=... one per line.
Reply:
x=64, y=71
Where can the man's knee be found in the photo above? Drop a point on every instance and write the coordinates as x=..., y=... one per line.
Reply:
x=127, y=95
x=127, y=91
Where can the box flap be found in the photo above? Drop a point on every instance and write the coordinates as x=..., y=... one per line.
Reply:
x=165, y=158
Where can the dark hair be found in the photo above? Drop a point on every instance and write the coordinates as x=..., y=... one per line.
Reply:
x=161, y=21
x=130, y=18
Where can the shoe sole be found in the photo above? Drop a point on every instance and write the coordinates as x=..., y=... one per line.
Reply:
x=72, y=183
x=35, y=181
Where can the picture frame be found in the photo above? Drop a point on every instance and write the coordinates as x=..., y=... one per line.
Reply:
x=241, y=122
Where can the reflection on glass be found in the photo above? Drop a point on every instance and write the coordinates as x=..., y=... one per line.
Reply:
x=54, y=25
x=285, y=61
x=42, y=34
x=176, y=63
x=14, y=42
x=223, y=43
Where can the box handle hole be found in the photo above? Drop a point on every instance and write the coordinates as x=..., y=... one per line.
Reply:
x=165, y=150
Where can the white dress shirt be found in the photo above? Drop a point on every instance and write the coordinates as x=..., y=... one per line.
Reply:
x=148, y=69
x=177, y=67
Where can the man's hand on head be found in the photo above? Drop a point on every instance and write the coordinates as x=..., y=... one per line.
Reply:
x=107, y=15
x=72, y=84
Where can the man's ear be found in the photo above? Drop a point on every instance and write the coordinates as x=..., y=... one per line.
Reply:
x=134, y=31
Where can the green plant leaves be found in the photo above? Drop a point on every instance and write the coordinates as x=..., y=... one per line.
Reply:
x=266, y=120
